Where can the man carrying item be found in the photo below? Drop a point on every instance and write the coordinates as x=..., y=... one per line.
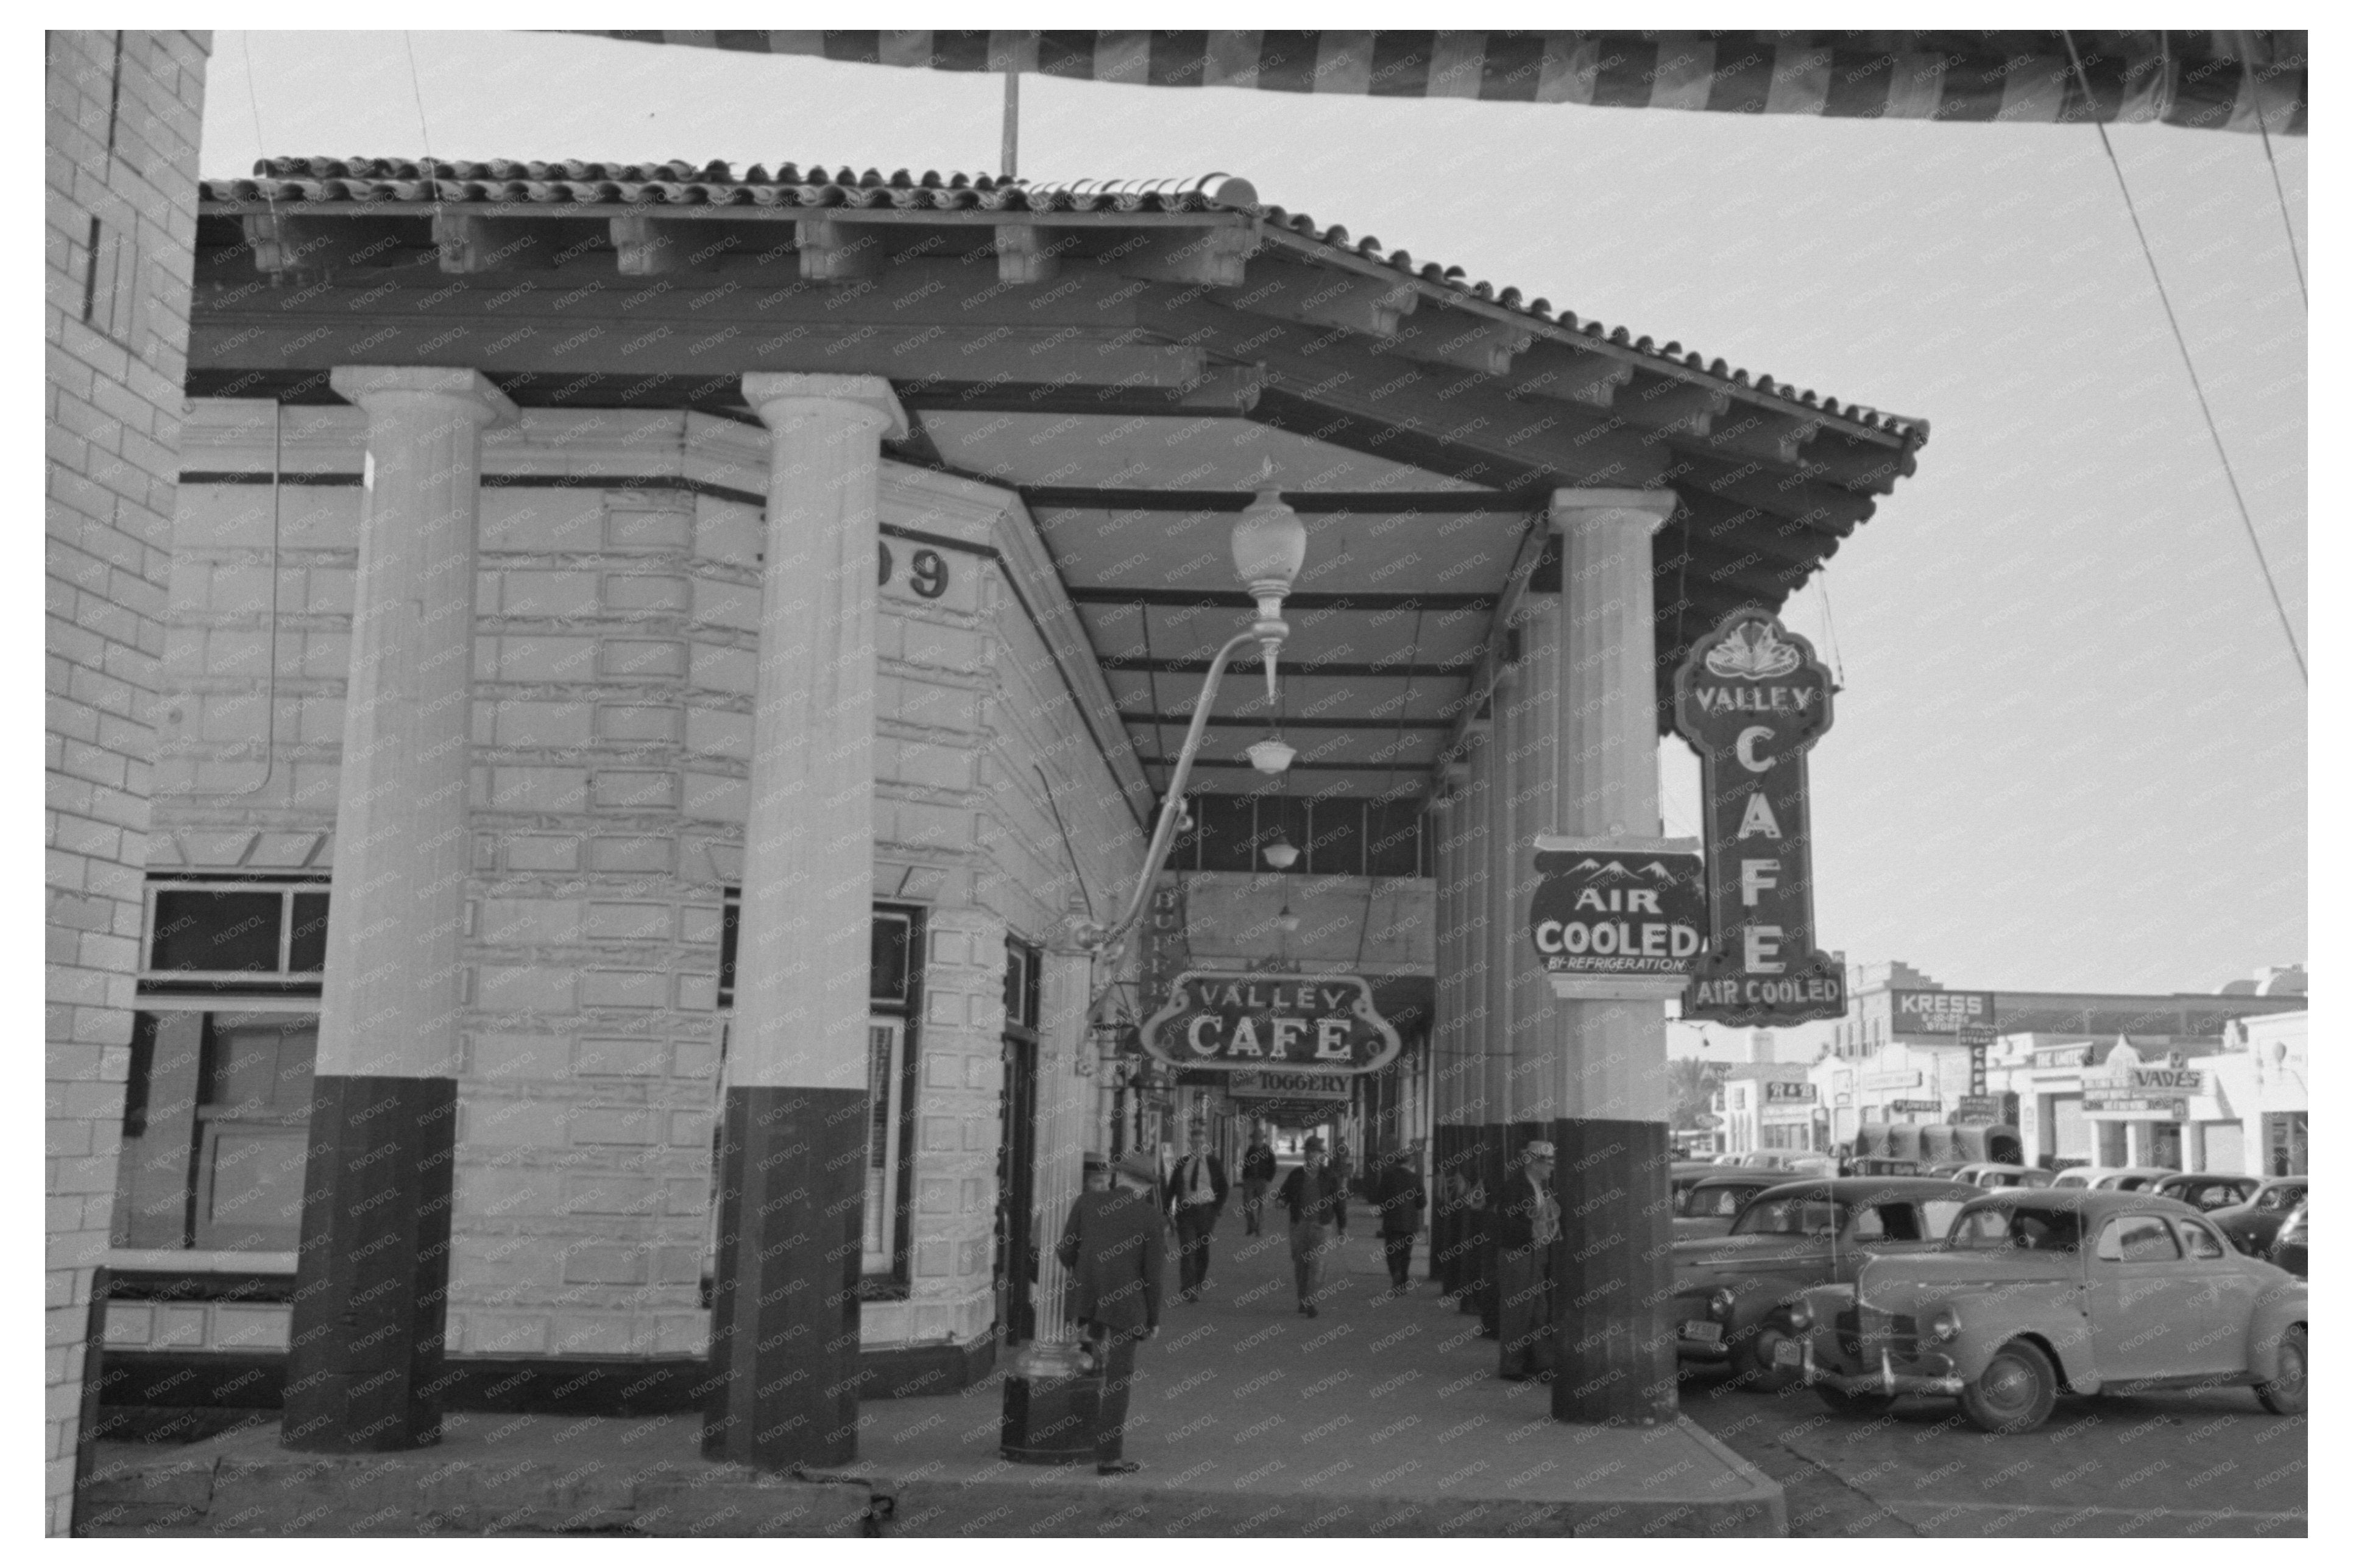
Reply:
x=1258, y=1177
x=1527, y=1229
x=1114, y=1245
x=1318, y=1206
x=1196, y=1198
x=1397, y=1194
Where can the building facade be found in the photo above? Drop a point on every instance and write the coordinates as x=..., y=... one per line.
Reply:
x=662, y=683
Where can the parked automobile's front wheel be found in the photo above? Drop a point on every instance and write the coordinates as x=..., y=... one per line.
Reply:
x=2284, y=1394
x=1754, y=1369
x=2016, y=1391
x=1854, y=1407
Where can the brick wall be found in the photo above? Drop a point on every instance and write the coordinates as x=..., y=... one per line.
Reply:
x=124, y=112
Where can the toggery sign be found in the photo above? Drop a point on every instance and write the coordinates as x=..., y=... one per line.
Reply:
x=1224, y=1021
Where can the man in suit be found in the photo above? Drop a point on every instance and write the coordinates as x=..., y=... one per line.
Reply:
x=1258, y=1177
x=1397, y=1194
x=1195, y=1198
x=1115, y=1247
x=1318, y=1205
x=1526, y=1225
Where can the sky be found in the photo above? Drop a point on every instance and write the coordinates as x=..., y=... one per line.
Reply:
x=2071, y=742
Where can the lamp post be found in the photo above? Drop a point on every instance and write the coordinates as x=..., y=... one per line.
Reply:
x=1268, y=545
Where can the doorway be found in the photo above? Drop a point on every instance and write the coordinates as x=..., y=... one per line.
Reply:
x=1017, y=1239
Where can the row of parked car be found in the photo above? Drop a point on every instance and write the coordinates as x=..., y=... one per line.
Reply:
x=2001, y=1294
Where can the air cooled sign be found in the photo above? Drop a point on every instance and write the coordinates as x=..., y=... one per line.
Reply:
x=1751, y=698
x=1253, y=1022
x=1617, y=913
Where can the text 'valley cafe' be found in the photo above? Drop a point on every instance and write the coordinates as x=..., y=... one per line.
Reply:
x=685, y=661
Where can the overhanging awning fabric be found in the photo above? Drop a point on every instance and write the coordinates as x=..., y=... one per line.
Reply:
x=2203, y=80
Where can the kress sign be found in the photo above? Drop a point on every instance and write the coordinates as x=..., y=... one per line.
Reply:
x=1250, y=1022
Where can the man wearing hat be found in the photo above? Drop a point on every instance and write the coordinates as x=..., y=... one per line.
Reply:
x=1196, y=1197
x=1527, y=1234
x=1114, y=1245
x=1319, y=1206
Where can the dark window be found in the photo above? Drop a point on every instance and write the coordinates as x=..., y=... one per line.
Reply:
x=1335, y=847
x=1228, y=822
x=731, y=919
x=1393, y=838
x=143, y=1069
x=1020, y=986
x=306, y=945
x=889, y=972
x=215, y=931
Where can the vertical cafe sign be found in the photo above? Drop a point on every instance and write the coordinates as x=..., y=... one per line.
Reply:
x=1751, y=698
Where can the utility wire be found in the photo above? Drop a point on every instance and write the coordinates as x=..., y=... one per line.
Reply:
x=2285, y=222
x=2182, y=344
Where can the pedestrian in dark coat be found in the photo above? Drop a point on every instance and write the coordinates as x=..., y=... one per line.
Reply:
x=1526, y=1226
x=1397, y=1194
x=1258, y=1177
x=1318, y=1205
x=1115, y=1248
x=1195, y=1198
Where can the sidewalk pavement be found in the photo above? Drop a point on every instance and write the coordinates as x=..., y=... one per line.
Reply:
x=1380, y=1416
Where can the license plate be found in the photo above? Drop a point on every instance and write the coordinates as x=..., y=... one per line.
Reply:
x=1788, y=1352
x=1705, y=1333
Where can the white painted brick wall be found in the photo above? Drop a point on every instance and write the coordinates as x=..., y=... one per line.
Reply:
x=123, y=111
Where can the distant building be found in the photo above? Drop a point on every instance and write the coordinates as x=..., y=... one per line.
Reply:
x=1769, y=1105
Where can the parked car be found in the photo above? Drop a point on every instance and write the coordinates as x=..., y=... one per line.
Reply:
x=2252, y=1224
x=1786, y=1239
x=1882, y=1165
x=2122, y=1178
x=2288, y=1248
x=2207, y=1192
x=1989, y=1175
x=1706, y=1207
x=2039, y=1291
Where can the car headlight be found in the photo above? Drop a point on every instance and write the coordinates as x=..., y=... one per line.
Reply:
x=1719, y=1303
x=1942, y=1324
x=1798, y=1316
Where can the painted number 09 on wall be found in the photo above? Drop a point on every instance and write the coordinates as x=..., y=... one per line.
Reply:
x=927, y=571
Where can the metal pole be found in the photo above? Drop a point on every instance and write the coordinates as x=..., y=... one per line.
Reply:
x=1010, y=145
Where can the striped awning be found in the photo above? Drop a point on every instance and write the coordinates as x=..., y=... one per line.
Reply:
x=2204, y=81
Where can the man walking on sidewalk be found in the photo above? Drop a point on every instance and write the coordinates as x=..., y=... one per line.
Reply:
x=1258, y=1177
x=1318, y=1205
x=1196, y=1198
x=1114, y=1247
x=1398, y=1195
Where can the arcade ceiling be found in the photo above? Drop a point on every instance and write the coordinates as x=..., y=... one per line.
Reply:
x=1134, y=361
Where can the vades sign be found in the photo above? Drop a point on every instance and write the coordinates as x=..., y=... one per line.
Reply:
x=1751, y=698
x=1249, y=1022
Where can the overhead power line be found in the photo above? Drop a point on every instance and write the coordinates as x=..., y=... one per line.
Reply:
x=2181, y=343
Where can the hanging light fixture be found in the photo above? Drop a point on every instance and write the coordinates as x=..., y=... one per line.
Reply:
x=1286, y=922
x=1271, y=756
x=1270, y=543
x=1282, y=854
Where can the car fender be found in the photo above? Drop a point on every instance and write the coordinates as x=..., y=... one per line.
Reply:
x=2281, y=1306
x=1992, y=1319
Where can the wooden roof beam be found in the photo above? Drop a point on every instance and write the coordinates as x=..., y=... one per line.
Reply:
x=470, y=243
x=299, y=242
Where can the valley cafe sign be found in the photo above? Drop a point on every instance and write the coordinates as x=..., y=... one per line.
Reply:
x=1751, y=698
x=1225, y=1022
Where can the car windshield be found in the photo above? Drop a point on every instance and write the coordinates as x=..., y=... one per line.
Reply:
x=1791, y=1217
x=1997, y=1228
x=2281, y=1198
x=1717, y=1203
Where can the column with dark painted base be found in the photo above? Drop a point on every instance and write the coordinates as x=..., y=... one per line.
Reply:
x=1615, y=1360
x=372, y=1266
x=792, y=1171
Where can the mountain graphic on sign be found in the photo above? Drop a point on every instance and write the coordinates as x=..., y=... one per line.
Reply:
x=1658, y=869
x=1615, y=871
x=1760, y=658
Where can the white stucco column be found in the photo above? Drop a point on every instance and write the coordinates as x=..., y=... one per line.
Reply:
x=1478, y=1014
x=785, y=1316
x=372, y=1264
x=1615, y=1345
x=809, y=838
x=1613, y=1053
x=1533, y=767
x=397, y=898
